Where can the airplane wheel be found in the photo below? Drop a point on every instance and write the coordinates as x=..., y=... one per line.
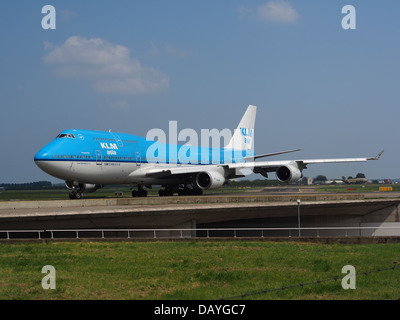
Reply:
x=75, y=195
x=134, y=193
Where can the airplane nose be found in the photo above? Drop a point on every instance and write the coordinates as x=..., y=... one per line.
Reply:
x=41, y=158
x=41, y=155
x=40, y=164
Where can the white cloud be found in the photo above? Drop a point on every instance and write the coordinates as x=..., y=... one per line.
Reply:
x=274, y=10
x=279, y=11
x=110, y=67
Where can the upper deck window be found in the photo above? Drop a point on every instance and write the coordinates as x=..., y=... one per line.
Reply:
x=66, y=135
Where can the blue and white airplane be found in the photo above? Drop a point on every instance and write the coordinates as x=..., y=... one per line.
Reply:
x=87, y=160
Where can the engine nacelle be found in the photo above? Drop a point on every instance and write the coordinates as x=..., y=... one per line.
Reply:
x=288, y=173
x=83, y=187
x=209, y=180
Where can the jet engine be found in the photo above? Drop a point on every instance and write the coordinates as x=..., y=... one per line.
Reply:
x=82, y=187
x=209, y=180
x=288, y=173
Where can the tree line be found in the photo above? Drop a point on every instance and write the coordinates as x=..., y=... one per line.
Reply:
x=27, y=186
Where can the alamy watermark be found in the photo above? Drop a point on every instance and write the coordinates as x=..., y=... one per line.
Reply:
x=212, y=146
x=49, y=20
x=349, y=280
x=167, y=146
x=349, y=20
x=49, y=280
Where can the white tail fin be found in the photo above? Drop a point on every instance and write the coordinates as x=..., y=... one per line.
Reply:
x=243, y=137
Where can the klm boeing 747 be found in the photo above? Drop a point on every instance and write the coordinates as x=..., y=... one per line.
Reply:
x=88, y=160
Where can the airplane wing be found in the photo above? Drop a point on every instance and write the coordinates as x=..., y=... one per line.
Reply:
x=302, y=163
x=251, y=158
x=289, y=169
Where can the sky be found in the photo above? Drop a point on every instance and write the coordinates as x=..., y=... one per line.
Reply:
x=132, y=66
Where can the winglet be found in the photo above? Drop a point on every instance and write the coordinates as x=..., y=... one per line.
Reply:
x=377, y=157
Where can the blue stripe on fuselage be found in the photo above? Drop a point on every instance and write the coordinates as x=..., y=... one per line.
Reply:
x=92, y=146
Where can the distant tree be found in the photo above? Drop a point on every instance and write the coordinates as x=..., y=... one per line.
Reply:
x=27, y=185
x=360, y=175
x=320, y=178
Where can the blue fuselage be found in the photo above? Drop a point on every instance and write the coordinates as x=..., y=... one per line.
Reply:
x=108, y=157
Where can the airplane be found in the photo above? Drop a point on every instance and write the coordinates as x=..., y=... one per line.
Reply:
x=87, y=160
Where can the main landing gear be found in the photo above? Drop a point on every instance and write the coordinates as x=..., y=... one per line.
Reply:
x=180, y=190
x=140, y=192
x=75, y=194
x=170, y=190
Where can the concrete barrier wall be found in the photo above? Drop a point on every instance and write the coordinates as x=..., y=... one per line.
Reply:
x=175, y=200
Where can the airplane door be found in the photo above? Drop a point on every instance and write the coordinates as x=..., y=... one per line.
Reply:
x=99, y=160
x=138, y=159
x=117, y=139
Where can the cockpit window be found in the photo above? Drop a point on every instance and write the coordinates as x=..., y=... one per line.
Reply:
x=66, y=135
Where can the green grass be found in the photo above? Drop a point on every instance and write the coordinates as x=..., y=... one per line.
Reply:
x=195, y=270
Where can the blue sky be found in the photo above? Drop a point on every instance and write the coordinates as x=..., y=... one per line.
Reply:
x=131, y=66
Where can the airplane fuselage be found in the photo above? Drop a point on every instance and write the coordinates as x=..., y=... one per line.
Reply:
x=98, y=157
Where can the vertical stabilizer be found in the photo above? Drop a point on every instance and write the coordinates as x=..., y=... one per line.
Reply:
x=243, y=136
